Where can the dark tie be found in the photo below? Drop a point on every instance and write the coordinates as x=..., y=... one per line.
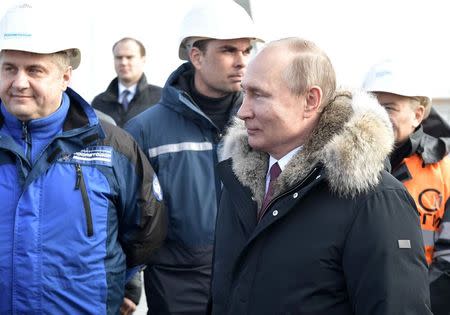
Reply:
x=125, y=101
x=274, y=172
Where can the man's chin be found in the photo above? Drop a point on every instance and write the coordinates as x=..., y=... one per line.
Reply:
x=254, y=144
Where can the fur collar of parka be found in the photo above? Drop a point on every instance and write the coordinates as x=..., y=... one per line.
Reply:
x=352, y=140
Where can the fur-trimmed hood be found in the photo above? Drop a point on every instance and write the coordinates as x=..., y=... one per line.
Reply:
x=352, y=140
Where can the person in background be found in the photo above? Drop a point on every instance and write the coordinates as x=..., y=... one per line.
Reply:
x=309, y=221
x=421, y=162
x=435, y=125
x=103, y=117
x=76, y=205
x=128, y=94
x=182, y=143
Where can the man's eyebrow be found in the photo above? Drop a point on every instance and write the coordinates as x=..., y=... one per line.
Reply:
x=232, y=47
x=229, y=47
x=253, y=89
x=6, y=63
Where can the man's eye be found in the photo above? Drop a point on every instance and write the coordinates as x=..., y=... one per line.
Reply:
x=35, y=70
x=8, y=69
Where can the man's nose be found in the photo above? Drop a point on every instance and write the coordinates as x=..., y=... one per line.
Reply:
x=241, y=60
x=21, y=80
x=245, y=110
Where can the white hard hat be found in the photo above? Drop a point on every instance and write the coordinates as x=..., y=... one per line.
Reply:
x=397, y=78
x=29, y=28
x=215, y=19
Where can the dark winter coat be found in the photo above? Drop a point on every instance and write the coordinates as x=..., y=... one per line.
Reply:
x=341, y=235
x=107, y=102
x=182, y=144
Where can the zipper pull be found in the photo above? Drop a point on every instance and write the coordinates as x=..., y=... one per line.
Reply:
x=78, y=180
x=24, y=130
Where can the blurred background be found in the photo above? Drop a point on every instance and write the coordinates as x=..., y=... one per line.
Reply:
x=354, y=33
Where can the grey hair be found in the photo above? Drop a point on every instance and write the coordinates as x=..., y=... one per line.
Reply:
x=62, y=58
x=421, y=100
x=309, y=66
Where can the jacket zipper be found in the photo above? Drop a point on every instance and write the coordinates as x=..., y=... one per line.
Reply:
x=288, y=192
x=27, y=138
x=81, y=185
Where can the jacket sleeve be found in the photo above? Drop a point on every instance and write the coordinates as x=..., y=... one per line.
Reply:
x=440, y=267
x=384, y=260
x=144, y=232
x=141, y=213
x=133, y=288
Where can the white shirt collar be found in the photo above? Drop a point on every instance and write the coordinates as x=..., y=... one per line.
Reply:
x=281, y=162
x=132, y=90
x=284, y=160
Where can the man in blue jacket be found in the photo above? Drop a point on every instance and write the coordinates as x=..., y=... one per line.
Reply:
x=76, y=201
x=181, y=136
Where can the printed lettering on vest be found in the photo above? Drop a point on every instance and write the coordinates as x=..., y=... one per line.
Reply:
x=430, y=199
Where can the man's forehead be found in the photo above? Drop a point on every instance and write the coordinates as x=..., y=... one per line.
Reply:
x=386, y=96
x=238, y=42
x=127, y=46
x=27, y=59
x=254, y=82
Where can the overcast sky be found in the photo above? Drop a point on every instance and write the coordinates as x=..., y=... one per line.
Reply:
x=354, y=33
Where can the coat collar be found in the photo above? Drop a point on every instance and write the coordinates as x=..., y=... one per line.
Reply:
x=352, y=140
x=112, y=91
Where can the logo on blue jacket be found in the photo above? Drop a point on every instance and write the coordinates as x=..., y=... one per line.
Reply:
x=90, y=155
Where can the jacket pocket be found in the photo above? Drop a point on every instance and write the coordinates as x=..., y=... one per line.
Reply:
x=81, y=185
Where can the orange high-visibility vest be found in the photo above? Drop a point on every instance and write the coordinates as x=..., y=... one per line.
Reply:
x=429, y=185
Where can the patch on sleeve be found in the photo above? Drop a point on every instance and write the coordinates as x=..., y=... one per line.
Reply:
x=157, y=191
x=404, y=244
x=91, y=155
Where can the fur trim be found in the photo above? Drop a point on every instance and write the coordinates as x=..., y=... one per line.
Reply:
x=353, y=138
x=355, y=157
x=250, y=166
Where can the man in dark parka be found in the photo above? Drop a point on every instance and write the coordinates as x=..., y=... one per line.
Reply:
x=340, y=235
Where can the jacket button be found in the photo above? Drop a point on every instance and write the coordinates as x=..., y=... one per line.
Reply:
x=275, y=213
x=295, y=195
x=318, y=176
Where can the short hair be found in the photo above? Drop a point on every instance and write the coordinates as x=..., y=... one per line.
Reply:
x=309, y=66
x=415, y=101
x=202, y=44
x=62, y=58
x=130, y=39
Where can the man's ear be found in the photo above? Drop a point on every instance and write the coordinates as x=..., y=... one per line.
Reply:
x=313, y=98
x=419, y=113
x=195, y=55
x=66, y=77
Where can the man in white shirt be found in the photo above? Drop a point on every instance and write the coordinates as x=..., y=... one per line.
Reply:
x=128, y=94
